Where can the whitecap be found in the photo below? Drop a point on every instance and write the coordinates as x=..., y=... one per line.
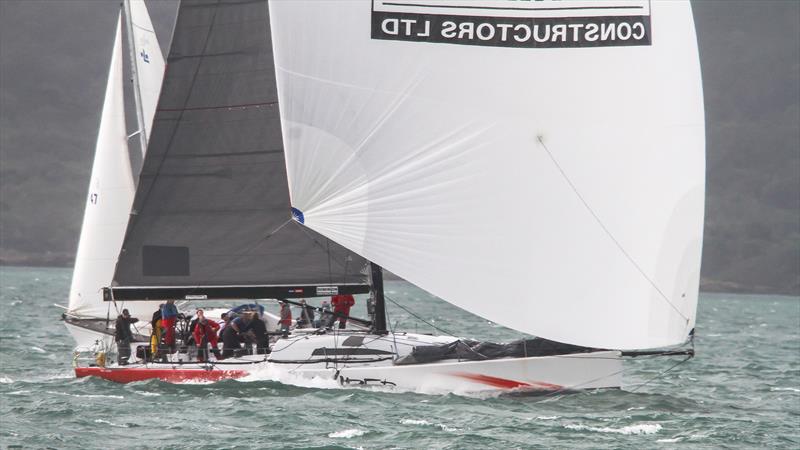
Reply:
x=197, y=381
x=6, y=380
x=18, y=392
x=117, y=397
x=446, y=428
x=642, y=428
x=147, y=394
x=414, y=422
x=669, y=441
x=64, y=376
x=635, y=408
x=425, y=423
x=347, y=434
x=774, y=389
x=38, y=349
x=546, y=418
x=110, y=423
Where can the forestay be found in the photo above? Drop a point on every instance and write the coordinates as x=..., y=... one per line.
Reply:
x=211, y=217
x=540, y=164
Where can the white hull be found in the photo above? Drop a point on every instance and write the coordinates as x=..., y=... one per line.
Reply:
x=302, y=360
x=548, y=373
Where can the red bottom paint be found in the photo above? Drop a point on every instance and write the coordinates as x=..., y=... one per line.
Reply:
x=129, y=375
x=505, y=383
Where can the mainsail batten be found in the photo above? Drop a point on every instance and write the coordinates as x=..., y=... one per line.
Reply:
x=578, y=172
x=212, y=204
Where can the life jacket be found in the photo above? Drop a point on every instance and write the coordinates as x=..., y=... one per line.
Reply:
x=155, y=338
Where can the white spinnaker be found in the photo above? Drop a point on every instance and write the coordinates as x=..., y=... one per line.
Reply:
x=107, y=207
x=149, y=61
x=559, y=192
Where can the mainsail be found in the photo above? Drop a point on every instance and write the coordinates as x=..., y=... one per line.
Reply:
x=540, y=164
x=211, y=216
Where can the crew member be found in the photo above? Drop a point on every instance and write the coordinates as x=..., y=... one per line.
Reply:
x=233, y=335
x=326, y=316
x=286, y=318
x=223, y=322
x=205, y=332
x=169, y=313
x=155, y=338
x=306, y=318
x=123, y=336
x=341, y=307
x=259, y=330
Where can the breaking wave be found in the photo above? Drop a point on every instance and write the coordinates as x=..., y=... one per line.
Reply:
x=347, y=434
x=642, y=428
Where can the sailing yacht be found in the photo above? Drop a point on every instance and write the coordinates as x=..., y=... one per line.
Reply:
x=112, y=186
x=545, y=158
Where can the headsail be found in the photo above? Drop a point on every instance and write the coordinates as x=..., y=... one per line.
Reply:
x=540, y=164
x=108, y=204
x=211, y=217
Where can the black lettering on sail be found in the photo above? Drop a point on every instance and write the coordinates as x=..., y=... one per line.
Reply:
x=622, y=25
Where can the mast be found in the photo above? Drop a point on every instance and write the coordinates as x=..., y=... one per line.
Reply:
x=376, y=296
x=137, y=95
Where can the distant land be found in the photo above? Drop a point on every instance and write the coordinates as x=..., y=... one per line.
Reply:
x=54, y=60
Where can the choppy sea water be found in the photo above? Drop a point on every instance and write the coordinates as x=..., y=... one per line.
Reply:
x=741, y=391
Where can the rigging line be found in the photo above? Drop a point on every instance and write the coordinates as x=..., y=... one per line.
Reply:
x=249, y=250
x=576, y=386
x=605, y=229
x=418, y=317
x=569, y=388
x=661, y=374
x=328, y=253
x=279, y=228
x=391, y=330
x=305, y=230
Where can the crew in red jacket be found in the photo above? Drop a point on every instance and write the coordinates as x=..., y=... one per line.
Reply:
x=341, y=307
x=286, y=318
x=205, y=332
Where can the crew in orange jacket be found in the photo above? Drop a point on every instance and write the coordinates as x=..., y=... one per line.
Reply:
x=205, y=332
x=341, y=307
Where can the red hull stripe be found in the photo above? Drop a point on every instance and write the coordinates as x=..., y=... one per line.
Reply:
x=505, y=383
x=128, y=375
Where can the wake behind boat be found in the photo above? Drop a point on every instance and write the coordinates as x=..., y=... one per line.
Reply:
x=293, y=156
